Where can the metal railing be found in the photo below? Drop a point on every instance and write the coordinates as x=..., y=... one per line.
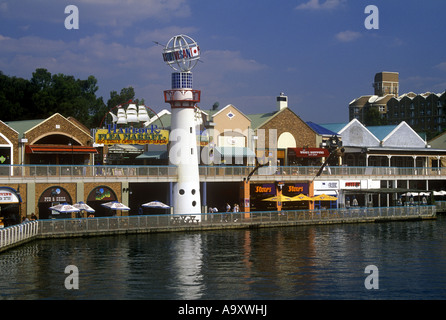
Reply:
x=18, y=233
x=14, y=235
x=217, y=171
x=106, y=224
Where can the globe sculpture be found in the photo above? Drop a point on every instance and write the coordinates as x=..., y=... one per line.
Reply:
x=181, y=53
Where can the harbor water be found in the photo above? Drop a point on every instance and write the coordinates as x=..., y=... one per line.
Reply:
x=304, y=262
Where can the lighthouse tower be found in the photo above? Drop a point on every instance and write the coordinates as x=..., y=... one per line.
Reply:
x=182, y=54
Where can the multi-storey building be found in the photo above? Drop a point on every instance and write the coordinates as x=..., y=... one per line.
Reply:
x=386, y=87
x=424, y=112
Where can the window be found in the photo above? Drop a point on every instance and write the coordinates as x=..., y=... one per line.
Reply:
x=181, y=80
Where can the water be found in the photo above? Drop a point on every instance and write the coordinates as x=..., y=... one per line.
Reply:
x=311, y=262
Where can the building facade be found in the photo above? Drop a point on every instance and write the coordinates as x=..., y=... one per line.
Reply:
x=424, y=112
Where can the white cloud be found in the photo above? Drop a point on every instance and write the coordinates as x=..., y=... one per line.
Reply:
x=441, y=66
x=348, y=36
x=316, y=5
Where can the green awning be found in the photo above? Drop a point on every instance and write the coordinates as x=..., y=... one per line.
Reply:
x=153, y=155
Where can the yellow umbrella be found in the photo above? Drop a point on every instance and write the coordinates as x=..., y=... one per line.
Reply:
x=324, y=197
x=280, y=198
x=302, y=197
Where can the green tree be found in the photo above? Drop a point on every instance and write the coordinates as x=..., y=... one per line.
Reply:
x=374, y=118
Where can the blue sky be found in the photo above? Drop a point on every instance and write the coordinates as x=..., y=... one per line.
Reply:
x=318, y=52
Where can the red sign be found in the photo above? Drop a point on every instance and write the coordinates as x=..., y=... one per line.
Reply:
x=310, y=152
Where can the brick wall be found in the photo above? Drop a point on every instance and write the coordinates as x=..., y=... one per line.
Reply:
x=287, y=121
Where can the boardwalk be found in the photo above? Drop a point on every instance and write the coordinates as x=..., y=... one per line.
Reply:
x=63, y=228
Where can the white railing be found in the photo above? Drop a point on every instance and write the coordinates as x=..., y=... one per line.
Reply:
x=15, y=234
x=210, y=172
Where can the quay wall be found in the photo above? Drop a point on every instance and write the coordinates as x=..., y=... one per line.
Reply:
x=89, y=227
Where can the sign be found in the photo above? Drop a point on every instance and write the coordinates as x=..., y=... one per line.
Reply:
x=293, y=189
x=101, y=194
x=130, y=135
x=186, y=53
x=326, y=185
x=55, y=194
x=7, y=196
x=353, y=184
x=310, y=152
x=268, y=188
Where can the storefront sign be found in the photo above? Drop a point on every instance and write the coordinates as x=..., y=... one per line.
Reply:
x=130, y=135
x=7, y=196
x=265, y=188
x=310, y=152
x=354, y=184
x=326, y=185
x=293, y=189
x=55, y=194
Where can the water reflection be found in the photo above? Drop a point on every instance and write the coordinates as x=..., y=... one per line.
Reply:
x=313, y=262
x=187, y=265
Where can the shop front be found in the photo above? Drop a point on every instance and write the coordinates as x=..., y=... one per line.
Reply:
x=53, y=196
x=329, y=188
x=98, y=196
x=260, y=192
x=10, y=201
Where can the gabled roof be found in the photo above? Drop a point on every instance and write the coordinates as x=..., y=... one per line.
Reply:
x=406, y=137
x=335, y=127
x=216, y=112
x=162, y=119
x=381, y=131
x=321, y=130
x=356, y=134
x=258, y=119
x=22, y=126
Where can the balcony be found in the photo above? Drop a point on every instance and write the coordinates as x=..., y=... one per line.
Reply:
x=88, y=173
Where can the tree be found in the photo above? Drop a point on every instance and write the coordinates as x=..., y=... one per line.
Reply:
x=45, y=94
x=374, y=118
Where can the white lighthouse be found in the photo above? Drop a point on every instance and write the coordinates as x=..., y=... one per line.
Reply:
x=182, y=54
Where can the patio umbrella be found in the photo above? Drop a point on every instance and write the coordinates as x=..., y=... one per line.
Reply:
x=280, y=198
x=83, y=207
x=155, y=204
x=324, y=197
x=64, y=208
x=115, y=205
x=302, y=197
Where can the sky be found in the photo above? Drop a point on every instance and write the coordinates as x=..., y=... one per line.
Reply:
x=318, y=52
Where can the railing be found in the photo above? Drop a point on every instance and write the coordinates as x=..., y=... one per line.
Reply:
x=16, y=234
x=126, y=223
x=108, y=225
x=210, y=172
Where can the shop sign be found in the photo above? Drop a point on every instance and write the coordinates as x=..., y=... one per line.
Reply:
x=355, y=184
x=7, y=196
x=101, y=194
x=130, y=135
x=295, y=188
x=268, y=188
x=311, y=152
x=326, y=185
x=55, y=195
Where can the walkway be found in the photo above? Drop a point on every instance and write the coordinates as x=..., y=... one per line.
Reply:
x=64, y=228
